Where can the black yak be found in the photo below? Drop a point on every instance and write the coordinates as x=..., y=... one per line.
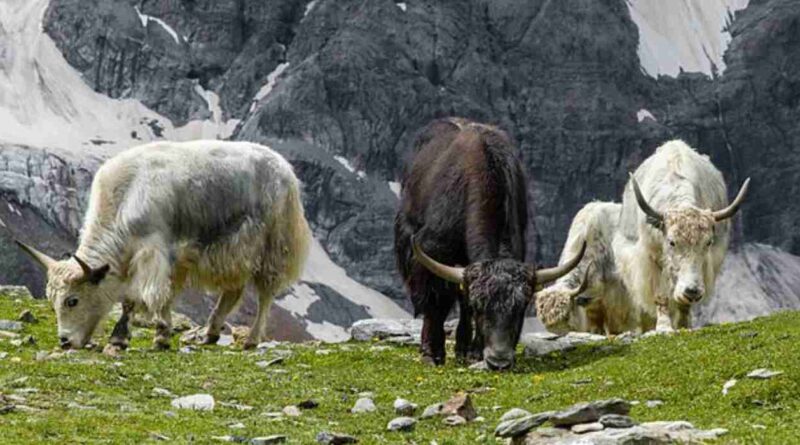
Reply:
x=464, y=203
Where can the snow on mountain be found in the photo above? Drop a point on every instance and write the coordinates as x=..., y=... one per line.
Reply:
x=272, y=79
x=688, y=35
x=148, y=18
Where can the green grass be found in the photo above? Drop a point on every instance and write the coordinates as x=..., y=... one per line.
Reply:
x=686, y=371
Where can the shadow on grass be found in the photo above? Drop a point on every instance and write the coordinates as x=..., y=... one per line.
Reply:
x=559, y=361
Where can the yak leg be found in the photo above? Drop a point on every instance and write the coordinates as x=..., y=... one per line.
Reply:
x=266, y=293
x=663, y=318
x=464, y=329
x=227, y=301
x=682, y=317
x=433, y=338
x=163, y=322
x=121, y=334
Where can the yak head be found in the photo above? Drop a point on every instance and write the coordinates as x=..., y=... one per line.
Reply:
x=499, y=292
x=688, y=235
x=81, y=295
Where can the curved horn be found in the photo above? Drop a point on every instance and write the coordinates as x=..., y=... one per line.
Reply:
x=554, y=273
x=87, y=271
x=448, y=273
x=729, y=211
x=41, y=258
x=651, y=213
x=584, y=285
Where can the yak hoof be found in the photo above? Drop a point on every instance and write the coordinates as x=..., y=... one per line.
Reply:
x=118, y=342
x=210, y=339
x=432, y=361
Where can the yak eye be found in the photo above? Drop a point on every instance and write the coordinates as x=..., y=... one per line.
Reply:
x=671, y=243
x=71, y=301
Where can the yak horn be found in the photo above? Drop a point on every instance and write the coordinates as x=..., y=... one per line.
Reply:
x=448, y=273
x=651, y=213
x=584, y=285
x=729, y=211
x=87, y=270
x=40, y=257
x=554, y=273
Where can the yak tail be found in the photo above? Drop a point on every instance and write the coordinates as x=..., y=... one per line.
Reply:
x=295, y=236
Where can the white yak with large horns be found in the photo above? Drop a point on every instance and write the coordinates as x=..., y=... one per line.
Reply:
x=208, y=214
x=654, y=256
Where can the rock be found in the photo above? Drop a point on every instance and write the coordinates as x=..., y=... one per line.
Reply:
x=233, y=439
x=538, y=344
x=404, y=407
x=589, y=412
x=653, y=403
x=432, y=410
x=198, y=402
x=479, y=366
x=163, y=393
x=363, y=405
x=454, y=421
x=8, y=334
x=29, y=340
x=268, y=440
x=401, y=424
x=382, y=328
x=329, y=438
x=236, y=406
x=617, y=421
x=27, y=316
x=292, y=411
x=236, y=426
x=514, y=413
x=268, y=363
x=159, y=437
x=323, y=351
x=41, y=356
x=8, y=325
x=763, y=374
x=461, y=405
x=15, y=292
x=582, y=428
x=727, y=386
x=521, y=425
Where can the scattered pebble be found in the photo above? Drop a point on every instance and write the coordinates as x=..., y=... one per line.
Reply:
x=653, y=403
x=454, y=421
x=461, y=405
x=236, y=406
x=329, y=438
x=236, y=426
x=158, y=437
x=364, y=405
x=8, y=325
x=404, y=407
x=267, y=440
x=163, y=392
x=432, y=410
x=617, y=421
x=763, y=373
x=292, y=411
x=401, y=424
x=521, y=425
x=514, y=413
x=27, y=316
x=479, y=366
x=268, y=363
x=323, y=351
x=727, y=386
x=235, y=439
x=198, y=402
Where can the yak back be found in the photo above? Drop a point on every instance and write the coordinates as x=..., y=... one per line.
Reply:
x=465, y=193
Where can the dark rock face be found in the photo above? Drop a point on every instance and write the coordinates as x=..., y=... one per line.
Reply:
x=333, y=308
x=362, y=77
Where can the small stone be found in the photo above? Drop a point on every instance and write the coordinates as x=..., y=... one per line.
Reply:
x=236, y=426
x=763, y=373
x=432, y=410
x=328, y=438
x=582, y=428
x=163, y=393
x=521, y=425
x=170, y=414
x=308, y=404
x=7, y=334
x=727, y=386
x=236, y=406
x=234, y=439
x=323, y=351
x=8, y=325
x=292, y=411
x=461, y=405
x=268, y=345
x=401, y=424
x=267, y=440
x=653, y=403
x=158, y=437
x=583, y=381
x=27, y=316
x=363, y=405
x=197, y=402
x=404, y=407
x=590, y=412
x=188, y=349
x=514, y=413
x=479, y=366
x=29, y=340
x=268, y=363
x=111, y=350
x=454, y=421
x=3, y=355
x=41, y=356
x=617, y=421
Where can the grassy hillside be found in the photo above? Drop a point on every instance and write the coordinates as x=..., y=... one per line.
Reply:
x=685, y=371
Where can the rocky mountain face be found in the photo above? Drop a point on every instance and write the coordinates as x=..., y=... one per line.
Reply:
x=341, y=88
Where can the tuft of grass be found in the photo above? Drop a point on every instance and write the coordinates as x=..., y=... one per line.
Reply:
x=686, y=371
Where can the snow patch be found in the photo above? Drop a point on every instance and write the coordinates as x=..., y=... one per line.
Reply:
x=272, y=79
x=327, y=331
x=146, y=18
x=342, y=160
x=395, y=187
x=644, y=114
x=402, y=5
x=683, y=34
x=309, y=7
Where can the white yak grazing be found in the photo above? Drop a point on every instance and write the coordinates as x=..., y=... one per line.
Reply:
x=207, y=214
x=667, y=245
